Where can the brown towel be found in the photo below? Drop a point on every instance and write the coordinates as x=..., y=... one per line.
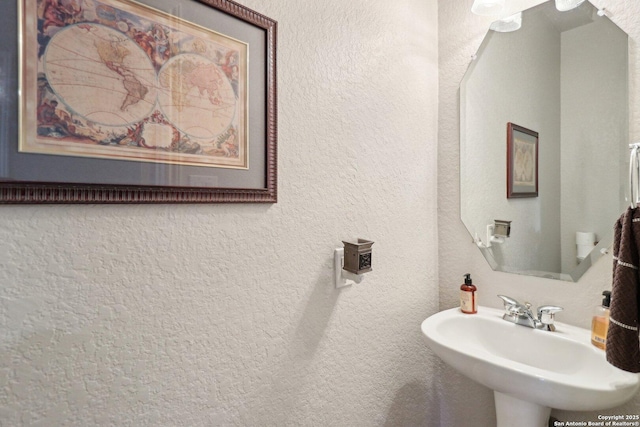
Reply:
x=623, y=345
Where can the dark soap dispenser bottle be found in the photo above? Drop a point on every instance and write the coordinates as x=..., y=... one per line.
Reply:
x=468, y=300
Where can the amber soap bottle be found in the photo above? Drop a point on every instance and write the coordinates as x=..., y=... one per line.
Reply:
x=468, y=300
x=600, y=322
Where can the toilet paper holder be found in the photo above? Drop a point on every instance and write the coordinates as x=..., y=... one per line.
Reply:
x=585, y=242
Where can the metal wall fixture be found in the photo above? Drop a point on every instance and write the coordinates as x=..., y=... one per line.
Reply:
x=352, y=261
x=496, y=233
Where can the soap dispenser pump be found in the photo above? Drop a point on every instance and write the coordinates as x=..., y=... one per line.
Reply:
x=468, y=301
x=600, y=322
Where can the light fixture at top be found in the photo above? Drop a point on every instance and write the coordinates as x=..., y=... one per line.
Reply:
x=487, y=7
x=508, y=24
x=564, y=5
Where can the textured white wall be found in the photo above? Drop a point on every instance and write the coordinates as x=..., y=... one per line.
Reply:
x=460, y=35
x=227, y=315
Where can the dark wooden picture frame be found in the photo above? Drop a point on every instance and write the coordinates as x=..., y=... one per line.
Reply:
x=522, y=162
x=41, y=178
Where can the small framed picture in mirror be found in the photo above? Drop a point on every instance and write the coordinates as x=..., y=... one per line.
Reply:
x=522, y=162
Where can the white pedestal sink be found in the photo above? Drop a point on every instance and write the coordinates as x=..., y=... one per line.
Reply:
x=530, y=370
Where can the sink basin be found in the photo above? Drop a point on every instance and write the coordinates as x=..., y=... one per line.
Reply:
x=529, y=370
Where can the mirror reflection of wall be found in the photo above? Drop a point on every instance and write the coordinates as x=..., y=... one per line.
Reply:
x=564, y=76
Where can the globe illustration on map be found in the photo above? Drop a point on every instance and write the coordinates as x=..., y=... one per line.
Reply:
x=196, y=96
x=101, y=74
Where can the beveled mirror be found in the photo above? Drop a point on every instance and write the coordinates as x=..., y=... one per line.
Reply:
x=557, y=89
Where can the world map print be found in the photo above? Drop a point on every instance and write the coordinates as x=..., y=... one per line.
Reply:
x=120, y=80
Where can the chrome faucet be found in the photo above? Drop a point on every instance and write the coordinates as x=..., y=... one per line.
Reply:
x=521, y=314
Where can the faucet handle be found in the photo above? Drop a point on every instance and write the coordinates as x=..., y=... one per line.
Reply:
x=511, y=306
x=546, y=313
x=508, y=301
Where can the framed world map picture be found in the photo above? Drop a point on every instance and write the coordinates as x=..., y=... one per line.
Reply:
x=123, y=101
x=522, y=162
x=117, y=79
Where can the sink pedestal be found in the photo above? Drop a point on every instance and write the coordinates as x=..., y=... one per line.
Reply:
x=511, y=411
